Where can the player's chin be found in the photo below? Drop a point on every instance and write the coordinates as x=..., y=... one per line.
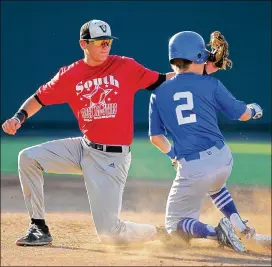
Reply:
x=103, y=56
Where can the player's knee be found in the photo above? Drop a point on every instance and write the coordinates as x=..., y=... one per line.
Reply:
x=25, y=156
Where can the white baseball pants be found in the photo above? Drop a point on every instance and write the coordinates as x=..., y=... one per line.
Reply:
x=194, y=180
x=104, y=174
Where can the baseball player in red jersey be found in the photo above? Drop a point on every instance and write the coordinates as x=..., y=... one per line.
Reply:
x=100, y=90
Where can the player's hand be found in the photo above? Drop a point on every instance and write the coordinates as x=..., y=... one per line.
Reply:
x=210, y=68
x=256, y=109
x=174, y=163
x=11, y=126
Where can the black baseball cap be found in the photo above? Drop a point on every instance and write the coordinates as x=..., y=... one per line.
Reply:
x=96, y=30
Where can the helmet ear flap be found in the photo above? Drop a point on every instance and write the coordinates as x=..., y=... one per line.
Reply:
x=203, y=56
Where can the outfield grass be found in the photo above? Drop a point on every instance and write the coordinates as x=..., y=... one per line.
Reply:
x=252, y=161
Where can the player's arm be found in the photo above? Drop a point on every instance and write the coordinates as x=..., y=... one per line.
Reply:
x=233, y=108
x=246, y=115
x=253, y=111
x=157, y=129
x=161, y=142
x=31, y=106
x=28, y=109
x=143, y=77
x=48, y=94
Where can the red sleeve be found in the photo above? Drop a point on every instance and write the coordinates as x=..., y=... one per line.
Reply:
x=140, y=77
x=55, y=91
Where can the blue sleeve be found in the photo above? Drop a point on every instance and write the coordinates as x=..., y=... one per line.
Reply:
x=228, y=104
x=156, y=126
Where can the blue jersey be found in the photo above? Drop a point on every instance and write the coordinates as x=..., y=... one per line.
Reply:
x=186, y=107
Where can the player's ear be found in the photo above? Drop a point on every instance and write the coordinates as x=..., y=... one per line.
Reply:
x=82, y=44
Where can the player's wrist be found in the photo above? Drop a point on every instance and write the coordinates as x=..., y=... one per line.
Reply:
x=171, y=154
x=20, y=116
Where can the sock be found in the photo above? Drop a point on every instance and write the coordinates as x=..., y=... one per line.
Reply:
x=40, y=223
x=191, y=228
x=224, y=202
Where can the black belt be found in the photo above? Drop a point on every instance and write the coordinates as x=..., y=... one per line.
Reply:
x=105, y=148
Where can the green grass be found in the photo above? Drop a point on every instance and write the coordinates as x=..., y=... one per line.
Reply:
x=251, y=148
x=252, y=161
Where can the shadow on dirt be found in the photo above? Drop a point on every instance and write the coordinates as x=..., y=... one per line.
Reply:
x=191, y=256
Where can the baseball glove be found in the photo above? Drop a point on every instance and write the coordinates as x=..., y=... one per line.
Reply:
x=220, y=51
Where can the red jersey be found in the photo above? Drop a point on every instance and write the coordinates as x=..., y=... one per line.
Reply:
x=101, y=97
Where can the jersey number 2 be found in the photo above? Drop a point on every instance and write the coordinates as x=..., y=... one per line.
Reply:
x=189, y=106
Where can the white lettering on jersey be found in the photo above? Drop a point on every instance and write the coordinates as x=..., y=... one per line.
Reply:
x=96, y=91
x=87, y=85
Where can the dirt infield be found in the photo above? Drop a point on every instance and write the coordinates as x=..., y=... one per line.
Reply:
x=75, y=242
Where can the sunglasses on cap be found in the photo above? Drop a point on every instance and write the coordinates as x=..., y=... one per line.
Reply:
x=106, y=42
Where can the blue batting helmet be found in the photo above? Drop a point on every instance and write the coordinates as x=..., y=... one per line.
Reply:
x=188, y=45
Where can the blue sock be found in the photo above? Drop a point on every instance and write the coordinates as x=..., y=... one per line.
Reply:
x=191, y=228
x=224, y=202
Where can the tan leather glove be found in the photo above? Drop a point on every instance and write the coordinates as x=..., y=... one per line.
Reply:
x=220, y=51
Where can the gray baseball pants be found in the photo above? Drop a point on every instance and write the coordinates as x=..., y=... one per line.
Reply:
x=194, y=180
x=104, y=174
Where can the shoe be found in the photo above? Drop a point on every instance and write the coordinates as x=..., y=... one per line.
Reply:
x=226, y=236
x=35, y=236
